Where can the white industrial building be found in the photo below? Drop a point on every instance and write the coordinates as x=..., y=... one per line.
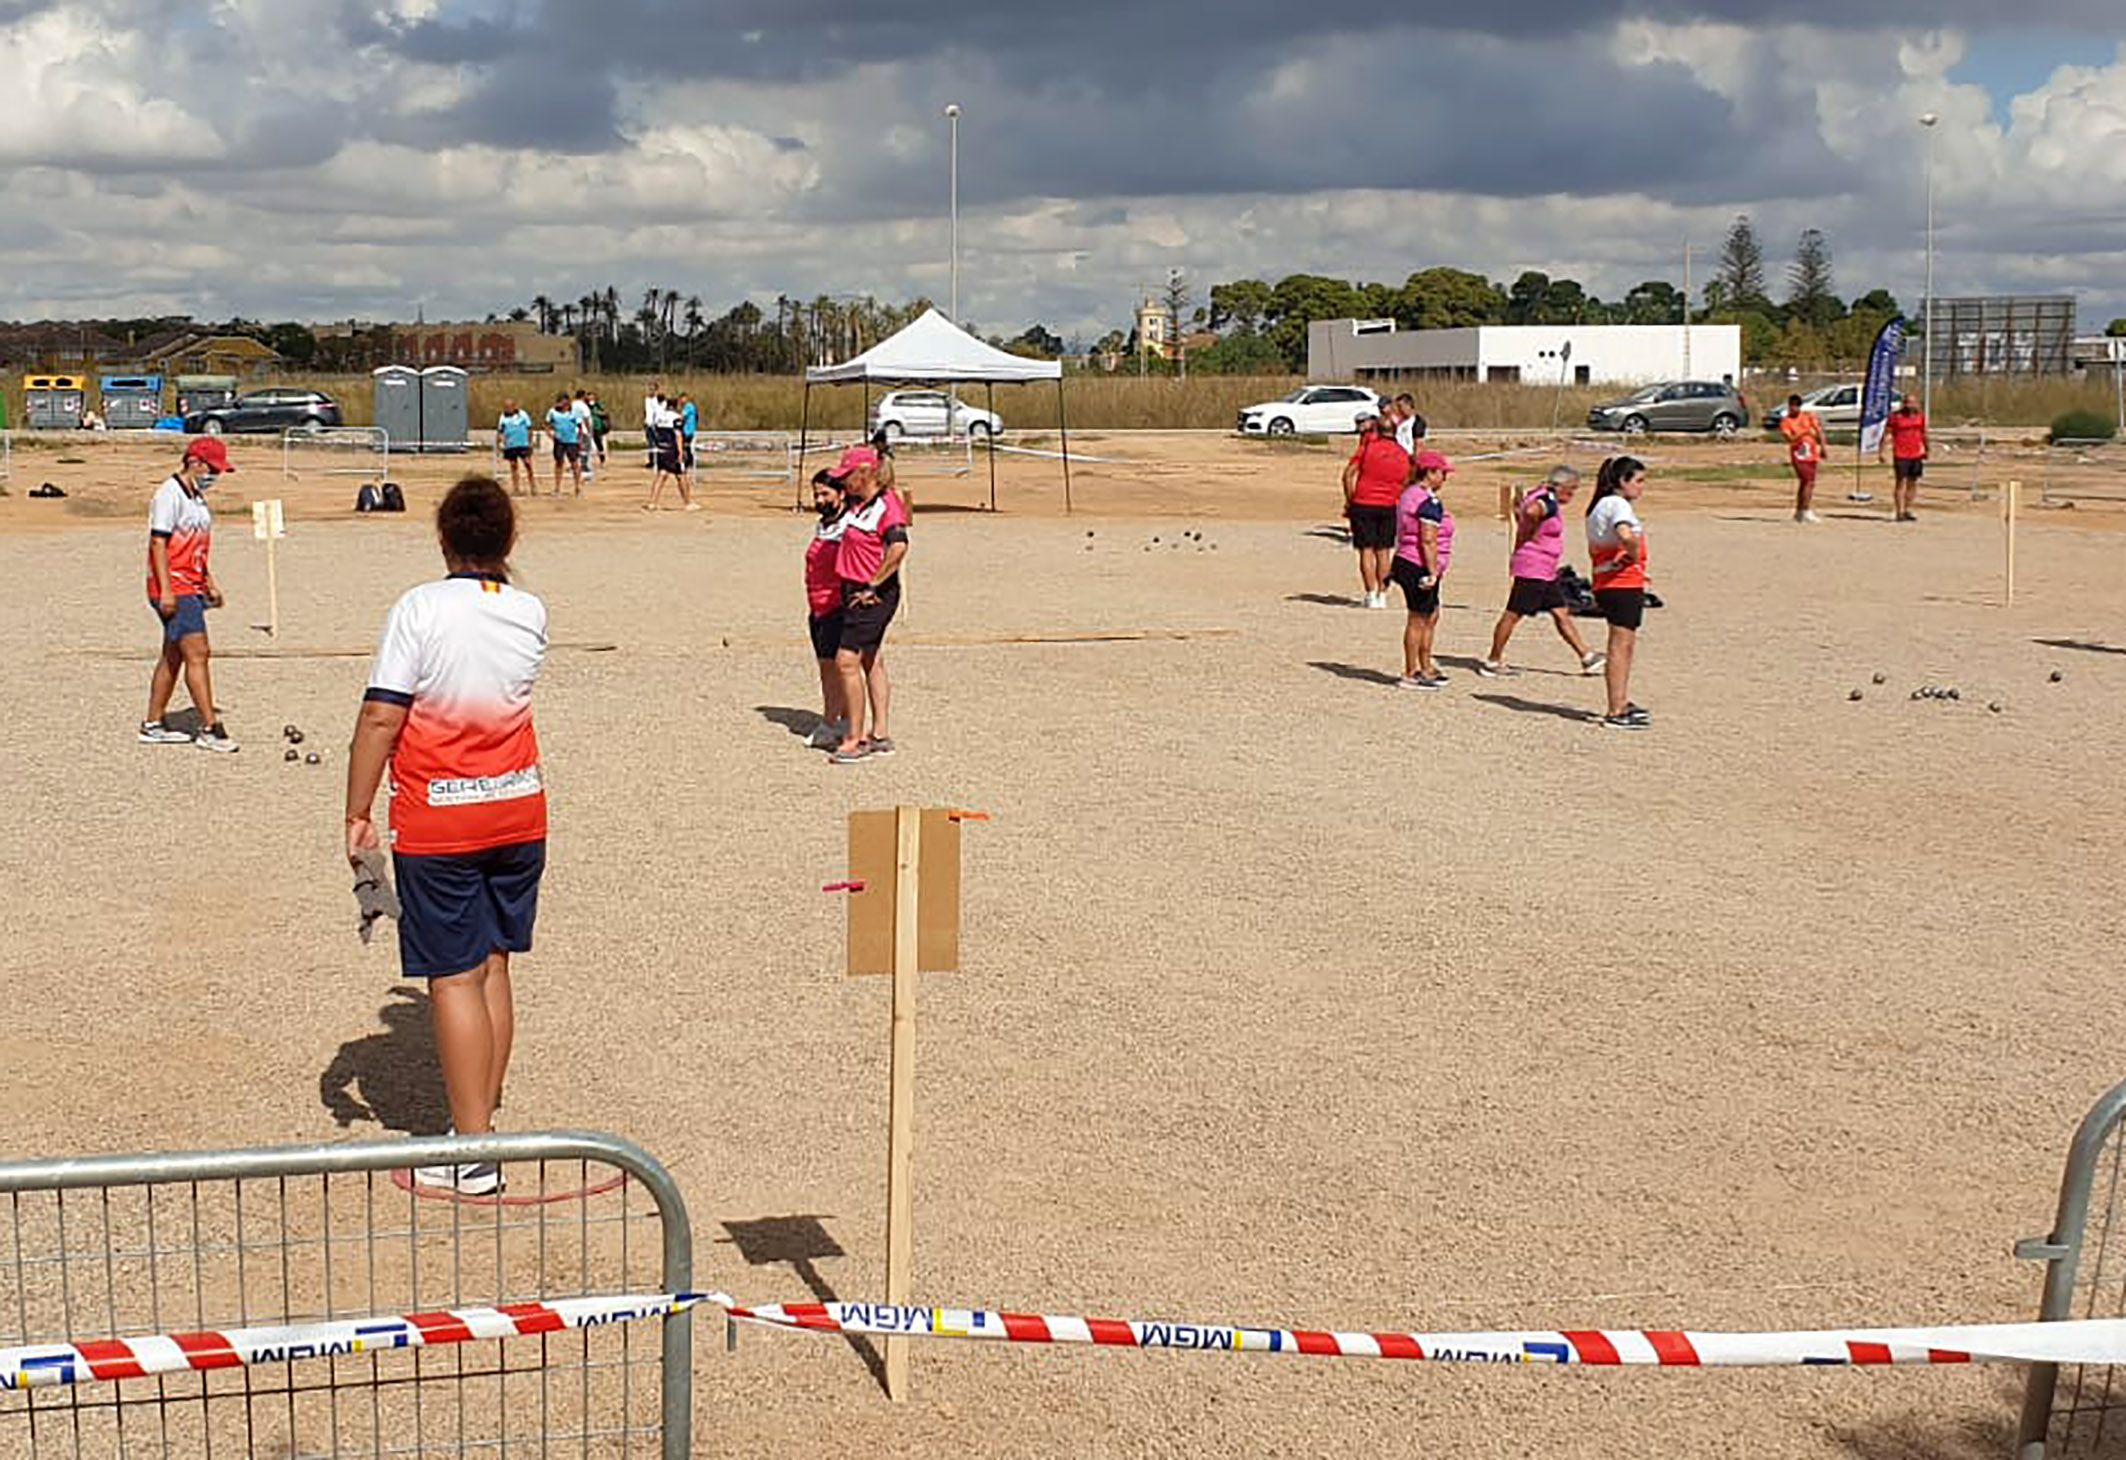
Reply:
x=1527, y=354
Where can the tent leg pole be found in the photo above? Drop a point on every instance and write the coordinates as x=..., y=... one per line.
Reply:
x=992, y=439
x=1063, y=429
x=804, y=443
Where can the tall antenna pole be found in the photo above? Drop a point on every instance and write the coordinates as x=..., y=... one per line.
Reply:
x=952, y=116
x=1686, y=308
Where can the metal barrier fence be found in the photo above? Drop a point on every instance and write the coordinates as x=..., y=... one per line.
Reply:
x=2084, y=471
x=127, y=1246
x=2082, y=1411
x=369, y=448
x=765, y=454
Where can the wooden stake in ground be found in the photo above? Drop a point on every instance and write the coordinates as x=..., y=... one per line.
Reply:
x=904, y=917
x=1505, y=502
x=2011, y=501
x=269, y=526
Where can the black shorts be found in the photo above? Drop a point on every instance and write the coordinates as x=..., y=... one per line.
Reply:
x=1404, y=574
x=566, y=451
x=864, y=624
x=1371, y=527
x=668, y=459
x=826, y=634
x=516, y=453
x=1910, y=469
x=1531, y=596
x=458, y=907
x=1623, y=607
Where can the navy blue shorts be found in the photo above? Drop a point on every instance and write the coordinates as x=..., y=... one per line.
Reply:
x=190, y=618
x=458, y=907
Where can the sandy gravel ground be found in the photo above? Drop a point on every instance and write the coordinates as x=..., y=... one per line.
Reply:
x=1289, y=997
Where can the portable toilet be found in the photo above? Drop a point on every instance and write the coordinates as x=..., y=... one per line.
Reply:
x=446, y=408
x=54, y=402
x=204, y=393
x=132, y=402
x=398, y=404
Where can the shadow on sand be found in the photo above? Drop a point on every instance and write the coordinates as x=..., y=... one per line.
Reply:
x=391, y=1078
x=802, y=1243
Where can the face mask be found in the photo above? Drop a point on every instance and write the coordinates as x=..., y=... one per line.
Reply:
x=205, y=480
x=828, y=511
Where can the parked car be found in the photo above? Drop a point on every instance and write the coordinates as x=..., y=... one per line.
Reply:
x=266, y=410
x=1311, y=410
x=1675, y=405
x=1834, y=405
x=924, y=413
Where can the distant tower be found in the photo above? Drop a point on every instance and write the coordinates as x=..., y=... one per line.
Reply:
x=1155, y=329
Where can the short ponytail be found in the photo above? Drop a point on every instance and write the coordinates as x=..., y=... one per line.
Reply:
x=1615, y=472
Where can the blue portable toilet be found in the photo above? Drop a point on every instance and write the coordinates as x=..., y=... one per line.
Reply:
x=132, y=402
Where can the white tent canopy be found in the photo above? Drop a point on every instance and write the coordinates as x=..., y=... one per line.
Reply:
x=934, y=349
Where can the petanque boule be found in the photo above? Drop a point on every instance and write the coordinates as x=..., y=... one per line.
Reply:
x=1856, y=695
x=1881, y=678
x=1995, y=707
x=292, y=754
x=313, y=758
x=2055, y=677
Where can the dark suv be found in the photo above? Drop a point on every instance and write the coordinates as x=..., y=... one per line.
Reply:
x=267, y=410
x=1676, y=405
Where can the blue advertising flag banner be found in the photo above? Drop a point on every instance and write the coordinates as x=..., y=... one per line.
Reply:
x=1881, y=393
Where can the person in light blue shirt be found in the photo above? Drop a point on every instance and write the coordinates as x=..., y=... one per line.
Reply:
x=561, y=424
x=689, y=426
x=513, y=432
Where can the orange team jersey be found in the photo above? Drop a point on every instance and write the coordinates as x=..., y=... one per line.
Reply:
x=1383, y=471
x=180, y=518
x=1908, y=435
x=462, y=655
x=1605, y=544
x=1804, y=437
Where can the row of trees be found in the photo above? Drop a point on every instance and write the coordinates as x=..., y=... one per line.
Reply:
x=668, y=331
x=1264, y=326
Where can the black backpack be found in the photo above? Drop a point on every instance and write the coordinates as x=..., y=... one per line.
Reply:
x=367, y=499
x=394, y=500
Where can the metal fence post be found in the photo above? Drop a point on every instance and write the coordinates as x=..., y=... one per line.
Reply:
x=2061, y=1252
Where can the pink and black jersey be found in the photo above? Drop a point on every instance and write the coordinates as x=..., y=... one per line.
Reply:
x=865, y=532
x=179, y=516
x=823, y=579
x=462, y=655
x=1417, y=506
x=1540, y=557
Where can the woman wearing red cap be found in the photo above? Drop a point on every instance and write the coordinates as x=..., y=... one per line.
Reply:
x=874, y=544
x=181, y=588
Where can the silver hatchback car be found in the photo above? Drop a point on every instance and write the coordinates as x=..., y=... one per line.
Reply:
x=1676, y=405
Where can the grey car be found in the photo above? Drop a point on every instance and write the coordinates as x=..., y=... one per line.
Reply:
x=1675, y=405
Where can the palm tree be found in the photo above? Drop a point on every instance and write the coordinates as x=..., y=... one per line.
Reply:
x=694, y=322
x=589, y=305
x=545, y=307
x=568, y=318
x=519, y=315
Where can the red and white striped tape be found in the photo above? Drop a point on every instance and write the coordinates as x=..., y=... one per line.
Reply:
x=2095, y=1341
x=37, y=1365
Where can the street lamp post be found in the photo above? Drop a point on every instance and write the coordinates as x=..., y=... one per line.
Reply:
x=1930, y=121
x=952, y=117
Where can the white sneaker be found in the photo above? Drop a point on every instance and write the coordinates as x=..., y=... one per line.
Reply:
x=475, y=1178
x=1806, y=517
x=1490, y=669
x=827, y=735
x=155, y=732
x=1594, y=662
x=215, y=737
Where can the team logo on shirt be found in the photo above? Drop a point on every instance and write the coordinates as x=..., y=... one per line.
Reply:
x=481, y=790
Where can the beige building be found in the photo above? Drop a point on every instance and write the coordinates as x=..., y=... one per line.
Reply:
x=502, y=347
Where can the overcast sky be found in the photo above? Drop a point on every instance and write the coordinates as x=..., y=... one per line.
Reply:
x=321, y=159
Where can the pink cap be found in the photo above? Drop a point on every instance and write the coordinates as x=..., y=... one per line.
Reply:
x=856, y=458
x=1433, y=461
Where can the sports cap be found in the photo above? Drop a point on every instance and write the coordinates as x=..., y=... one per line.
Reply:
x=209, y=451
x=855, y=459
x=1432, y=461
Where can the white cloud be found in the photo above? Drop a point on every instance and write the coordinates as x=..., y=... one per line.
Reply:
x=212, y=156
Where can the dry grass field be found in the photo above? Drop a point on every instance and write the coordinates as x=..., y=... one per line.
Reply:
x=1122, y=402
x=1288, y=997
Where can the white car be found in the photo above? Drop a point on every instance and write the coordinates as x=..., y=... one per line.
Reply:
x=1834, y=405
x=924, y=413
x=1311, y=410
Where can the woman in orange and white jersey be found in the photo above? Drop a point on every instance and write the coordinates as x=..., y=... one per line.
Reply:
x=1616, y=542
x=448, y=708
